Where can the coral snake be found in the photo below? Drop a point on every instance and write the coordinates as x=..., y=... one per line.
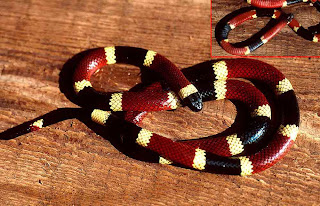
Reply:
x=245, y=151
x=278, y=20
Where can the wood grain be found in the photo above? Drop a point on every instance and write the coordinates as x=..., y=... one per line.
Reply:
x=68, y=164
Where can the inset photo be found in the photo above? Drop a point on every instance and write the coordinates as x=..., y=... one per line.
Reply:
x=265, y=28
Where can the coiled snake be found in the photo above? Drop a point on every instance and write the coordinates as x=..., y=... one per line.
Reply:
x=238, y=153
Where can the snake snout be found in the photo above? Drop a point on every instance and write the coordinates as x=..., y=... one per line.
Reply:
x=289, y=17
x=194, y=102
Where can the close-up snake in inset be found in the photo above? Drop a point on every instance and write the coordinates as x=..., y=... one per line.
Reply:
x=278, y=20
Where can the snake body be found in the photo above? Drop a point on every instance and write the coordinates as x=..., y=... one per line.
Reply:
x=137, y=57
x=236, y=153
x=280, y=3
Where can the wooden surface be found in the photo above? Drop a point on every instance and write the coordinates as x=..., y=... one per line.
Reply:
x=68, y=164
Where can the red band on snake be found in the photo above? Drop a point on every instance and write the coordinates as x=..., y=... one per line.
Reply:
x=237, y=153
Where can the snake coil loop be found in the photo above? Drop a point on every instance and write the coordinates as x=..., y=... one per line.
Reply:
x=278, y=21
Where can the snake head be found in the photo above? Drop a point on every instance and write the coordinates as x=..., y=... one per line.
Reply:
x=194, y=102
x=289, y=17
